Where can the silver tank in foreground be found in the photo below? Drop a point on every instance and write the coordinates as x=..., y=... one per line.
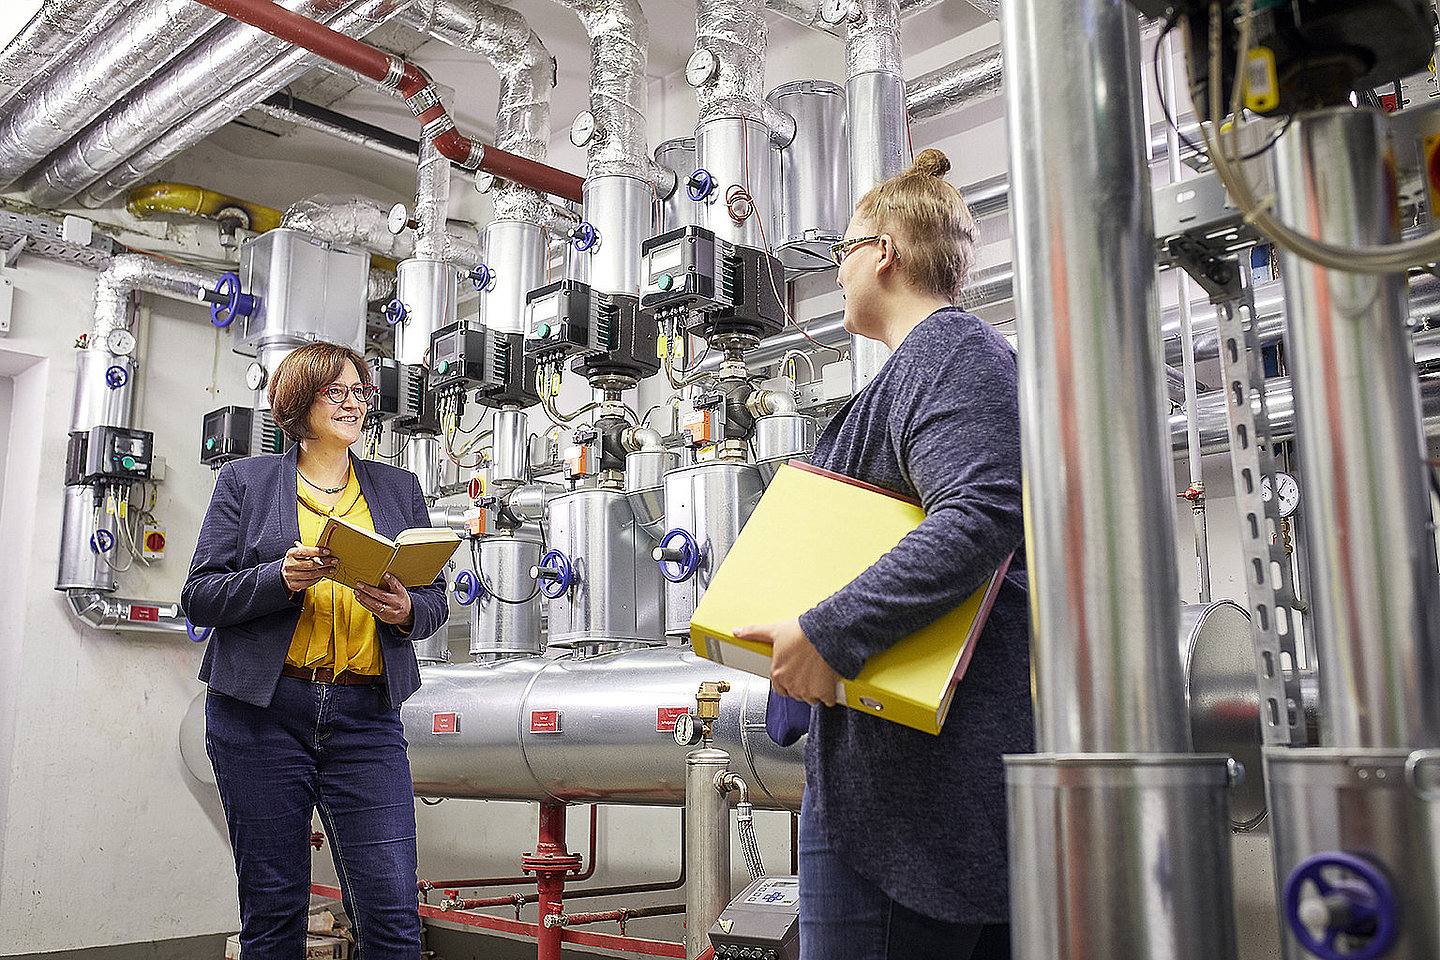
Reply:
x=587, y=730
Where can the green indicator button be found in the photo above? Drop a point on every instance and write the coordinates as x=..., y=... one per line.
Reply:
x=209, y=443
x=442, y=366
x=128, y=463
x=542, y=331
x=664, y=281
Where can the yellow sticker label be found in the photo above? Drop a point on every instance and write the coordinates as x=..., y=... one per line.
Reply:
x=1262, y=87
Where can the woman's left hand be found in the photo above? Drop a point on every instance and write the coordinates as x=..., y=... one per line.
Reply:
x=389, y=601
x=796, y=668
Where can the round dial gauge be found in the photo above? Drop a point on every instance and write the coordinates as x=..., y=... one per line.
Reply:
x=255, y=376
x=484, y=181
x=833, y=11
x=701, y=67
x=120, y=342
x=1289, y=492
x=685, y=732
x=397, y=219
x=582, y=128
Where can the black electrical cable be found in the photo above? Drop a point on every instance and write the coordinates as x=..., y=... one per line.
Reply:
x=485, y=582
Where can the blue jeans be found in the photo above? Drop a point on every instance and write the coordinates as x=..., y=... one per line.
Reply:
x=844, y=916
x=339, y=749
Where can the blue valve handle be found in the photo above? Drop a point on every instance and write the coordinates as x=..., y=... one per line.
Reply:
x=199, y=636
x=583, y=237
x=560, y=563
x=700, y=185
x=689, y=560
x=394, y=312
x=1373, y=907
x=116, y=377
x=101, y=541
x=233, y=302
x=481, y=278
x=467, y=587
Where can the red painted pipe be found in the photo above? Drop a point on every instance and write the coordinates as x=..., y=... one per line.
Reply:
x=412, y=84
x=550, y=861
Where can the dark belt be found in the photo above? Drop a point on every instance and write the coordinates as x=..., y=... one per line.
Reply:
x=327, y=675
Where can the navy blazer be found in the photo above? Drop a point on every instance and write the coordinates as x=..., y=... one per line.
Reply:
x=235, y=584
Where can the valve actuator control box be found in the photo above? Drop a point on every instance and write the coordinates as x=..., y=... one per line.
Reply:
x=457, y=357
x=722, y=288
x=109, y=454
x=225, y=434
x=401, y=398
x=762, y=923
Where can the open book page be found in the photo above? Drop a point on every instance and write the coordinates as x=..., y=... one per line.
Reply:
x=421, y=553
x=361, y=555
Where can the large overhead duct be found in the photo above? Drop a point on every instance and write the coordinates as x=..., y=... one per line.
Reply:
x=229, y=104
x=1115, y=783
x=351, y=222
x=149, y=34
x=56, y=28
x=228, y=55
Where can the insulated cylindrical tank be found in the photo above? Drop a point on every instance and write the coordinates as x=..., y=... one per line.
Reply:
x=737, y=153
x=678, y=210
x=505, y=617
x=813, y=193
x=609, y=589
x=515, y=253
x=707, y=502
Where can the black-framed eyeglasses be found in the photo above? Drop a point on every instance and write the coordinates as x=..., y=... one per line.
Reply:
x=337, y=392
x=839, y=251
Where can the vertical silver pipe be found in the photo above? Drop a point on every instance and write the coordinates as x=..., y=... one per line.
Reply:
x=1102, y=563
x=1187, y=349
x=432, y=202
x=510, y=461
x=707, y=847
x=878, y=131
x=619, y=208
x=1377, y=591
x=515, y=253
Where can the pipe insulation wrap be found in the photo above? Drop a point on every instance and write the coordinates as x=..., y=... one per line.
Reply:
x=872, y=44
x=527, y=76
x=432, y=202
x=619, y=43
x=130, y=272
x=229, y=54
x=351, y=221
x=150, y=34
x=56, y=29
x=942, y=91
x=231, y=102
x=734, y=31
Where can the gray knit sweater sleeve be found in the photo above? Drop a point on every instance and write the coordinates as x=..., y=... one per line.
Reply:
x=939, y=423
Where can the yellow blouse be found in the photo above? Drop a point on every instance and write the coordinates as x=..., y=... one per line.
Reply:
x=334, y=630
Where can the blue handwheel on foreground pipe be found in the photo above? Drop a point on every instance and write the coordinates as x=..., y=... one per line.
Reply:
x=554, y=573
x=467, y=587
x=701, y=185
x=1355, y=901
x=686, y=557
x=227, y=299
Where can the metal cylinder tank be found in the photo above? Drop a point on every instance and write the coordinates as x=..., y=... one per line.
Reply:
x=613, y=592
x=597, y=729
x=97, y=403
x=780, y=437
x=305, y=289
x=813, y=196
x=738, y=154
x=510, y=447
x=429, y=290
x=505, y=617
x=515, y=253
x=710, y=501
x=678, y=210
x=707, y=847
x=618, y=207
x=1169, y=816
x=82, y=566
x=1346, y=812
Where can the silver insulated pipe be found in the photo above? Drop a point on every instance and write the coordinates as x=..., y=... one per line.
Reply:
x=350, y=221
x=1115, y=789
x=54, y=30
x=875, y=94
x=955, y=85
x=587, y=730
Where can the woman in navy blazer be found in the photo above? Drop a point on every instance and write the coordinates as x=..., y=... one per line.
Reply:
x=305, y=676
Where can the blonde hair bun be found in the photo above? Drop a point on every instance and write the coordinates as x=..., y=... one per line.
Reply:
x=930, y=163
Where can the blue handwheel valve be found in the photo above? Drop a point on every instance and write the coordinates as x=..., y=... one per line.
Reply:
x=394, y=312
x=102, y=541
x=227, y=302
x=686, y=557
x=467, y=587
x=584, y=237
x=554, y=573
x=482, y=278
x=701, y=186
x=1333, y=895
x=116, y=377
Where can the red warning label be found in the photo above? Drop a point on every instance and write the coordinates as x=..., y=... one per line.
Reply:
x=665, y=718
x=445, y=723
x=544, y=721
x=144, y=614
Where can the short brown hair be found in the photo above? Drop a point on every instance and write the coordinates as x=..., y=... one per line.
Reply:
x=929, y=218
x=299, y=379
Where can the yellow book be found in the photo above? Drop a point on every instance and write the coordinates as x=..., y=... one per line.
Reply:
x=415, y=556
x=811, y=534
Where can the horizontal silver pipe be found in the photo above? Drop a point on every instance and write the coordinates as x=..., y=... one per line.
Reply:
x=58, y=27
x=602, y=743
x=955, y=85
x=120, y=614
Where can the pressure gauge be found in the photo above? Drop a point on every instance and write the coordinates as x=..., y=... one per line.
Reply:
x=255, y=375
x=120, y=342
x=700, y=68
x=685, y=733
x=582, y=128
x=834, y=11
x=1289, y=492
x=398, y=219
x=484, y=181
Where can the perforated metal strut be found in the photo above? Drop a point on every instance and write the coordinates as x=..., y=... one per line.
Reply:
x=1267, y=565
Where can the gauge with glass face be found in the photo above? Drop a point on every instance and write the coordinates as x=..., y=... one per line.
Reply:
x=1289, y=490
